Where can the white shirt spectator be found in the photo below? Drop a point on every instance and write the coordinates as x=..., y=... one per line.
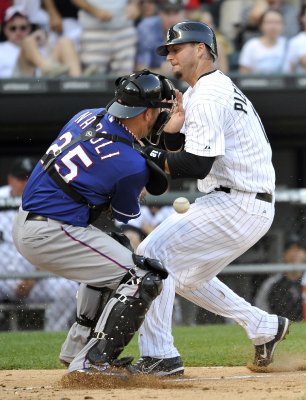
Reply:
x=296, y=50
x=262, y=59
x=9, y=53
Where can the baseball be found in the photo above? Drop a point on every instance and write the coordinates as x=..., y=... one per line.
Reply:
x=181, y=205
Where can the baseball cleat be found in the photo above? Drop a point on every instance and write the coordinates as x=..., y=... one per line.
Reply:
x=264, y=352
x=159, y=366
x=105, y=370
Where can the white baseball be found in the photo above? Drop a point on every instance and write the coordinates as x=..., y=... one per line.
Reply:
x=181, y=205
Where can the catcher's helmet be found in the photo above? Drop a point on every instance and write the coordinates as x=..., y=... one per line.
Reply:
x=138, y=91
x=190, y=32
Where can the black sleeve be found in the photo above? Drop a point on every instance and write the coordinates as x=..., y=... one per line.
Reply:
x=172, y=141
x=187, y=165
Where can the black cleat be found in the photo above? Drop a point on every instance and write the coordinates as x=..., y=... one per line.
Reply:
x=264, y=352
x=159, y=366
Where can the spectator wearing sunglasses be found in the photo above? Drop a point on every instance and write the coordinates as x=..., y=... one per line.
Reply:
x=16, y=27
x=29, y=54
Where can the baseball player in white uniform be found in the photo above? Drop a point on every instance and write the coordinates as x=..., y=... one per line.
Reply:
x=224, y=145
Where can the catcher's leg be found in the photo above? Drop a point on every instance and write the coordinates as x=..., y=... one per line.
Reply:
x=90, y=304
x=123, y=314
x=91, y=301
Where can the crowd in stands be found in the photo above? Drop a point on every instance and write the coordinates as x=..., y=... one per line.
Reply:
x=56, y=294
x=54, y=38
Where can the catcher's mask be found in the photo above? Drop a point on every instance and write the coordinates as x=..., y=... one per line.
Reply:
x=139, y=91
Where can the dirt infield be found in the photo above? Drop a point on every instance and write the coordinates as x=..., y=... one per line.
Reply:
x=226, y=383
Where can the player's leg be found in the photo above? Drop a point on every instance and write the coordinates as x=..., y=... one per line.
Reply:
x=264, y=329
x=122, y=315
x=90, y=303
x=163, y=347
x=158, y=353
x=197, y=245
x=219, y=299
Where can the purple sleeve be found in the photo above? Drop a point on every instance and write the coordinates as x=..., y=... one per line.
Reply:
x=125, y=200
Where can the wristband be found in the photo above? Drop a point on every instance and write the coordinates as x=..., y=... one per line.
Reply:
x=156, y=155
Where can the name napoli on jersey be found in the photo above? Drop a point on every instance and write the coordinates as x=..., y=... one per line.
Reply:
x=72, y=129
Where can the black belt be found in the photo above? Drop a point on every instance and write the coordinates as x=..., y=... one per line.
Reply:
x=259, y=196
x=36, y=217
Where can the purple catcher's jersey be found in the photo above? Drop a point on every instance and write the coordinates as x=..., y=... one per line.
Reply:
x=102, y=171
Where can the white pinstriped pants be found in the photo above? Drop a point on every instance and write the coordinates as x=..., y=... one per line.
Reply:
x=194, y=248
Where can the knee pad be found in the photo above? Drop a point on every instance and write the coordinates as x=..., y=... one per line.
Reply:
x=125, y=317
x=150, y=264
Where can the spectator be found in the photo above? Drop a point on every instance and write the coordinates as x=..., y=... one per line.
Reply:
x=108, y=38
x=147, y=8
x=15, y=28
x=38, y=57
x=29, y=54
x=252, y=16
x=267, y=53
x=151, y=34
x=63, y=20
x=283, y=292
x=231, y=18
x=296, y=56
x=57, y=294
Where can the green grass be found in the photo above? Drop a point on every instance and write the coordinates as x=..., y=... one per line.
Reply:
x=205, y=345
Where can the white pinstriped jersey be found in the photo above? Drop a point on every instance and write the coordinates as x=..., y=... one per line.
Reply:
x=221, y=122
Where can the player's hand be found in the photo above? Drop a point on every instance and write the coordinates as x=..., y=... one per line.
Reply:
x=177, y=119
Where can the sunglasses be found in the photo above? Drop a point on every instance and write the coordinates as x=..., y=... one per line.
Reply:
x=21, y=28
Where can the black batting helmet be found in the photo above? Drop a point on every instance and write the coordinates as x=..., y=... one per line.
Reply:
x=190, y=32
x=138, y=91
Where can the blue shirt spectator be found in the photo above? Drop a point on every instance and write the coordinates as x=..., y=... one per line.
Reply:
x=151, y=32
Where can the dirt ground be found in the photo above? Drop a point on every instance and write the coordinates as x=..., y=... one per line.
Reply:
x=209, y=383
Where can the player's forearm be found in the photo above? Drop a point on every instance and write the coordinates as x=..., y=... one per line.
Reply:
x=180, y=164
x=187, y=165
